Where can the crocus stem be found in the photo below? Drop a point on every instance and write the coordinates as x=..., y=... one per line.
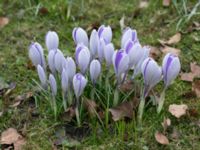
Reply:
x=77, y=112
x=161, y=101
x=54, y=106
x=141, y=109
x=92, y=93
x=64, y=100
x=69, y=97
x=116, y=96
x=108, y=99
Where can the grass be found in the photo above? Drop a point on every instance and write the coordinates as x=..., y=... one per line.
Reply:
x=152, y=23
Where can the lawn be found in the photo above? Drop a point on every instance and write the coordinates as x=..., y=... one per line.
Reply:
x=30, y=20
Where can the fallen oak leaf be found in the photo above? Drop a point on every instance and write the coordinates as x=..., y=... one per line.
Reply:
x=178, y=110
x=196, y=87
x=91, y=106
x=160, y=138
x=172, y=40
x=154, y=52
x=167, y=49
x=187, y=76
x=195, y=69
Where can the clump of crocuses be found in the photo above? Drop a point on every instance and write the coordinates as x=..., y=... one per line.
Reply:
x=95, y=55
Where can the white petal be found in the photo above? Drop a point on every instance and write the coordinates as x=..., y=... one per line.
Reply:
x=52, y=40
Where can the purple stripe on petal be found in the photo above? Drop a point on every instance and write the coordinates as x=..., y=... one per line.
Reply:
x=77, y=53
x=145, y=69
x=118, y=58
x=169, y=60
x=129, y=46
x=133, y=36
x=79, y=77
x=75, y=32
x=100, y=30
x=38, y=49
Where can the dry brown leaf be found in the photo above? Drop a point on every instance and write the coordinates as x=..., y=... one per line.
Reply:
x=172, y=40
x=167, y=49
x=11, y=136
x=175, y=134
x=123, y=110
x=143, y=4
x=68, y=114
x=91, y=106
x=178, y=110
x=127, y=86
x=154, y=52
x=166, y=3
x=195, y=69
x=166, y=123
x=3, y=21
x=196, y=87
x=187, y=76
x=160, y=138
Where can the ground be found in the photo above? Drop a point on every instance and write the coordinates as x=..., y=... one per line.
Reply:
x=30, y=20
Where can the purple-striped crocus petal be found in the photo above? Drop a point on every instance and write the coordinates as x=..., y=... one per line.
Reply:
x=171, y=68
x=59, y=58
x=51, y=61
x=84, y=59
x=80, y=36
x=105, y=32
x=118, y=58
x=53, y=84
x=64, y=80
x=152, y=74
x=129, y=34
x=108, y=53
x=79, y=47
x=95, y=70
x=100, y=49
x=36, y=54
x=70, y=67
x=79, y=83
x=42, y=76
x=94, y=43
x=51, y=40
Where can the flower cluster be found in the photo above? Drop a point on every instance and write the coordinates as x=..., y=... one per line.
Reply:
x=90, y=55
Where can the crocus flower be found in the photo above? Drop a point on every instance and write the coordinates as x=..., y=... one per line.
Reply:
x=121, y=63
x=82, y=58
x=108, y=53
x=52, y=40
x=79, y=83
x=80, y=36
x=51, y=61
x=53, y=85
x=58, y=60
x=95, y=70
x=94, y=43
x=36, y=54
x=134, y=51
x=100, y=49
x=129, y=34
x=42, y=76
x=64, y=80
x=171, y=67
x=70, y=68
x=152, y=74
x=105, y=33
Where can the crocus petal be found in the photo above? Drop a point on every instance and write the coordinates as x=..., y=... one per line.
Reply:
x=51, y=61
x=94, y=43
x=95, y=70
x=42, y=76
x=64, y=80
x=70, y=67
x=171, y=68
x=36, y=54
x=53, y=85
x=84, y=60
x=80, y=36
x=105, y=33
x=108, y=53
x=100, y=49
x=79, y=47
x=59, y=58
x=79, y=83
x=129, y=34
x=52, y=40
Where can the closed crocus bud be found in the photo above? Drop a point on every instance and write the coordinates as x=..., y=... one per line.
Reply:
x=100, y=49
x=108, y=53
x=95, y=70
x=94, y=43
x=121, y=63
x=79, y=83
x=58, y=60
x=80, y=36
x=134, y=51
x=53, y=85
x=105, y=33
x=64, y=80
x=36, y=54
x=70, y=67
x=171, y=67
x=51, y=61
x=152, y=74
x=137, y=68
x=52, y=40
x=129, y=34
x=42, y=76
x=83, y=58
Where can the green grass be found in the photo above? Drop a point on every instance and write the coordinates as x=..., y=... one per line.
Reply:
x=152, y=23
